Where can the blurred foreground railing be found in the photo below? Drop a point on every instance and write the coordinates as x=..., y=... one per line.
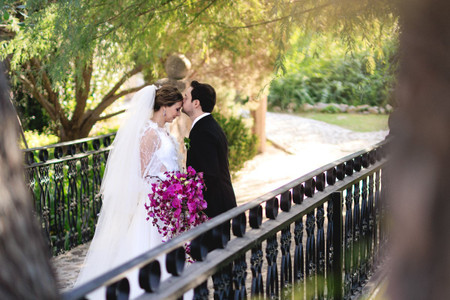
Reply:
x=320, y=237
x=64, y=180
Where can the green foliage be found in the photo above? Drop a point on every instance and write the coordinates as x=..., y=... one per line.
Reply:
x=320, y=69
x=241, y=142
x=75, y=56
x=331, y=109
x=37, y=139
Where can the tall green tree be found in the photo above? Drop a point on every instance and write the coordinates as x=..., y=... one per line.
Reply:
x=74, y=57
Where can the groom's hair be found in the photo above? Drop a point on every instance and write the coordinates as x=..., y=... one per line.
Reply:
x=204, y=93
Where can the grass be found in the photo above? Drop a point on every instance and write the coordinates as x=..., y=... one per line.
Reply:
x=354, y=122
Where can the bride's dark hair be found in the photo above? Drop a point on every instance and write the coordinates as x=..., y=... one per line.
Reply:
x=167, y=95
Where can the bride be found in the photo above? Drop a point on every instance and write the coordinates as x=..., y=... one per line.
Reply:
x=143, y=150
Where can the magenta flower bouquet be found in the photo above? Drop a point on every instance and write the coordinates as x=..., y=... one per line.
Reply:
x=176, y=203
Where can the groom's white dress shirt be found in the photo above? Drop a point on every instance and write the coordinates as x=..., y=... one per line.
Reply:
x=198, y=118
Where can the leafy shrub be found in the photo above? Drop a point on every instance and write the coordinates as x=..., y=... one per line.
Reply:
x=36, y=139
x=243, y=145
x=331, y=75
x=331, y=109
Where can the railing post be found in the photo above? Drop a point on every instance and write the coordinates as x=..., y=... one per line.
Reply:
x=336, y=273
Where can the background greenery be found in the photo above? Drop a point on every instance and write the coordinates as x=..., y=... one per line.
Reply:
x=75, y=57
x=323, y=68
x=243, y=145
x=70, y=61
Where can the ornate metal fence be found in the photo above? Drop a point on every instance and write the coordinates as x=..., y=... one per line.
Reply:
x=319, y=238
x=64, y=180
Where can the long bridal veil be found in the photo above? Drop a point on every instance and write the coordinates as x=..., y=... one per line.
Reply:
x=120, y=188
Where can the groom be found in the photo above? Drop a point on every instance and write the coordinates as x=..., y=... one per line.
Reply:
x=208, y=148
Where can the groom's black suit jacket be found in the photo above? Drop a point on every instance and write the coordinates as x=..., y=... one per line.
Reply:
x=208, y=153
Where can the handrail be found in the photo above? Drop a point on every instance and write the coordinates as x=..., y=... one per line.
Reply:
x=318, y=186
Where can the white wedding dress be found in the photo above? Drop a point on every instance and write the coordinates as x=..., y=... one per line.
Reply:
x=123, y=231
x=158, y=154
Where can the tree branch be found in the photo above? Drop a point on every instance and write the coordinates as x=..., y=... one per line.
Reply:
x=199, y=13
x=32, y=88
x=277, y=19
x=136, y=70
x=111, y=115
x=51, y=94
x=111, y=99
x=91, y=116
x=133, y=14
x=6, y=34
x=82, y=93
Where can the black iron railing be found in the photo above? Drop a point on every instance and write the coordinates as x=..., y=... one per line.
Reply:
x=64, y=180
x=320, y=237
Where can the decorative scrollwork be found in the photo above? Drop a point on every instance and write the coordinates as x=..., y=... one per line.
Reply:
x=363, y=269
x=72, y=199
x=377, y=210
x=97, y=160
x=65, y=191
x=286, y=261
x=239, y=277
x=356, y=239
x=371, y=223
x=272, y=287
x=320, y=218
x=311, y=264
x=330, y=249
x=222, y=284
x=299, y=269
x=348, y=243
x=43, y=205
x=84, y=199
x=383, y=205
x=30, y=180
x=256, y=262
x=201, y=292
x=59, y=207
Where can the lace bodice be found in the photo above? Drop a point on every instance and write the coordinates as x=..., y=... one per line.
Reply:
x=158, y=151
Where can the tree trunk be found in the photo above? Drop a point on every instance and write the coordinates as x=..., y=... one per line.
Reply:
x=419, y=194
x=24, y=258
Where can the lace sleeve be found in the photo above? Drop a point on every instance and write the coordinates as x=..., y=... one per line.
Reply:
x=149, y=144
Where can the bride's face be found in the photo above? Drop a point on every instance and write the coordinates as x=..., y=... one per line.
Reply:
x=173, y=111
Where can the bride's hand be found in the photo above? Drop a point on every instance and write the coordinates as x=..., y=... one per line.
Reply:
x=152, y=179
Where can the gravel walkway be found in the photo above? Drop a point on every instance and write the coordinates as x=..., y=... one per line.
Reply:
x=296, y=146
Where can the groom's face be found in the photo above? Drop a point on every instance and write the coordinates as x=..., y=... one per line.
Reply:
x=187, y=101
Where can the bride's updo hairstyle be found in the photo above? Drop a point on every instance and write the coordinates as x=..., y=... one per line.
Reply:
x=167, y=95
